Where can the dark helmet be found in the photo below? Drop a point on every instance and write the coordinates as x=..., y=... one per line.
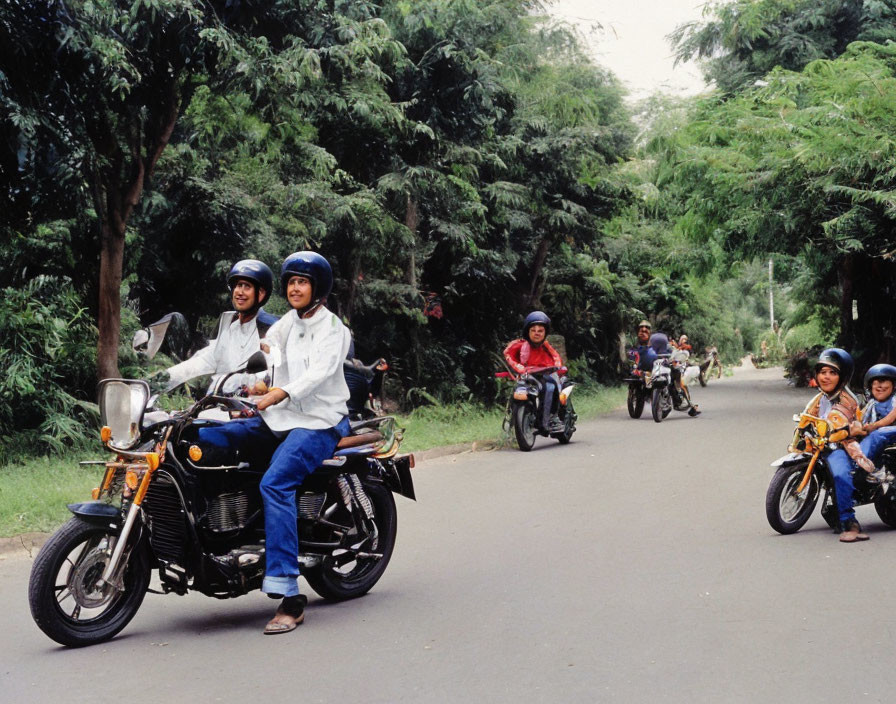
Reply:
x=659, y=343
x=536, y=317
x=841, y=360
x=255, y=271
x=880, y=371
x=312, y=266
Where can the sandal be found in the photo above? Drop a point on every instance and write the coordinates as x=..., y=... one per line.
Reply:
x=290, y=614
x=852, y=533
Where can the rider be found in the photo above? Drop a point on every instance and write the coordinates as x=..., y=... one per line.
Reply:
x=646, y=355
x=533, y=351
x=659, y=343
x=832, y=374
x=239, y=331
x=301, y=420
x=879, y=415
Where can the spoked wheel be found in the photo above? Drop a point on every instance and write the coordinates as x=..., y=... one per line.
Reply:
x=786, y=510
x=339, y=577
x=635, y=401
x=524, y=426
x=67, y=600
x=660, y=404
x=568, y=414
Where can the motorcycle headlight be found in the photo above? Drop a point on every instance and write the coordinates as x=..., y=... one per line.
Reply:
x=520, y=394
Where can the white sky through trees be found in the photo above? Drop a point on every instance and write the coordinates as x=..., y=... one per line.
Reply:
x=631, y=41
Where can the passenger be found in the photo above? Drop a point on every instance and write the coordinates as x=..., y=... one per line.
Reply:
x=879, y=416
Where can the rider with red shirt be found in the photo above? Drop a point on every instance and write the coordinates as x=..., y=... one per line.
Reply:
x=533, y=351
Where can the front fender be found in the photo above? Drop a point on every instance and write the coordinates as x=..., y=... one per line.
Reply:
x=792, y=458
x=97, y=512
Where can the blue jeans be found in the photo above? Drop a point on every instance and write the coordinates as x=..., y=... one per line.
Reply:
x=294, y=457
x=842, y=468
x=874, y=443
x=550, y=388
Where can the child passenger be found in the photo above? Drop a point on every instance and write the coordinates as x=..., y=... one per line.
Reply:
x=832, y=374
x=880, y=414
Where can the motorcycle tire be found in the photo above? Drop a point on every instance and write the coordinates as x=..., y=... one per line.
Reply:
x=357, y=578
x=886, y=509
x=569, y=424
x=62, y=591
x=524, y=426
x=660, y=404
x=785, y=511
x=635, y=401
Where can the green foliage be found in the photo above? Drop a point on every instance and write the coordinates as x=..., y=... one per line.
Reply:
x=47, y=353
x=808, y=336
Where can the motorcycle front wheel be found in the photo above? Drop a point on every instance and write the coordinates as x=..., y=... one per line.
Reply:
x=348, y=581
x=635, y=401
x=660, y=404
x=524, y=426
x=569, y=424
x=786, y=510
x=67, y=601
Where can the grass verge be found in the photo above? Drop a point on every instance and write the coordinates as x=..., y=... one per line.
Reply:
x=34, y=493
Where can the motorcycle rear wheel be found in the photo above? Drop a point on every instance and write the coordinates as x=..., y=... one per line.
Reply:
x=524, y=426
x=66, y=601
x=355, y=579
x=660, y=404
x=635, y=401
x=886, y=510
x=785, y=510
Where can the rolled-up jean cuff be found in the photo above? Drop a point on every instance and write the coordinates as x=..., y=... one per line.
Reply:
x=287, y=586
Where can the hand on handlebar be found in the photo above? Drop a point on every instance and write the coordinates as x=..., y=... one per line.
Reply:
x=271, y=398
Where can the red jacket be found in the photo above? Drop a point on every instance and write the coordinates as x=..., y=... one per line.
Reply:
x=542, y=356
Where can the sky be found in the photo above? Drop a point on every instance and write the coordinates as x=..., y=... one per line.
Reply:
x=632, y=43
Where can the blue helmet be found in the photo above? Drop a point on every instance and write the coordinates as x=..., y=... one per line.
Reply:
x=838, y=359
x=659, y=343
x=255, y=271
x=880, y=371
x=312, y=266
x=536, y=317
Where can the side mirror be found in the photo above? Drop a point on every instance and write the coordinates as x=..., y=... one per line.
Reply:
x=256, y=363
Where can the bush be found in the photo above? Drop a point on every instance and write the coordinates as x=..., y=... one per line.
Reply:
x=48, y=356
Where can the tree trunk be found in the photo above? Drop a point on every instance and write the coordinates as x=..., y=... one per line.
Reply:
x=845, y=275
x=536, y=283
x=109, y=319
x=411, y=221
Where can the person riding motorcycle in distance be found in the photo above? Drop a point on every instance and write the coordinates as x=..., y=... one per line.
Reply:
x=239, y=331
x=531, y=352
x=299, y=423
x=660, y=344
x=646, y=354
x=838, y=404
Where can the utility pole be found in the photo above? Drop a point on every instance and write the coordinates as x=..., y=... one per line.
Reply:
x=771, y=296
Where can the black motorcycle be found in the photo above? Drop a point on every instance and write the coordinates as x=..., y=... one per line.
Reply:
x=163, y=506
x=525, y=406
x=637, y=379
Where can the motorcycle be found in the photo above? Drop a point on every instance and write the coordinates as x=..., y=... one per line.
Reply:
x=660, y=387
x=637, y=386
x=524, y=407
x=803, y=474
x=711, y=364
x=200, y=524
x=365, y=384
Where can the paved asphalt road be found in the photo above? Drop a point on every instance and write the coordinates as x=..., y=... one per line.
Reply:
x=633, y=565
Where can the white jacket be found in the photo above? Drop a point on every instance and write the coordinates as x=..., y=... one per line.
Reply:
x=234, y=343
x=308, y=354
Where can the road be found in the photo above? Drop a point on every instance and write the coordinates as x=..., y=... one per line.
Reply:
x=633, y=565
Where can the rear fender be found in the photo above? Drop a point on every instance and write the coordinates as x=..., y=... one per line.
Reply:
x=397, y=476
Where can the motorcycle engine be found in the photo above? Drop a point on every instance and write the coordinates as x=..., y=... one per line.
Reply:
x=228, y=512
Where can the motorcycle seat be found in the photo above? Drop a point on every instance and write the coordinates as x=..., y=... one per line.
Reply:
x=368, y=438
